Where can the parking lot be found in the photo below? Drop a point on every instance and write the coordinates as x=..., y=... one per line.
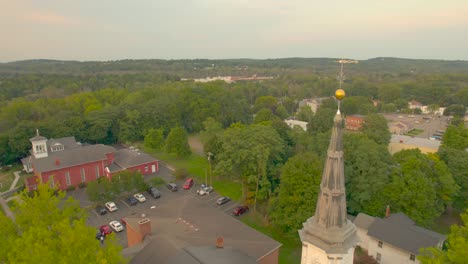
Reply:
x=184, y=205
x=428, y=124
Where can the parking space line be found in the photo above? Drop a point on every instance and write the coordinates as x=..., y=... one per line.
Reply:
x=230, y=208
x=125, y=203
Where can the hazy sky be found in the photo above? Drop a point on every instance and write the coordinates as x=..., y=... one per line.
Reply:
x=174, y=29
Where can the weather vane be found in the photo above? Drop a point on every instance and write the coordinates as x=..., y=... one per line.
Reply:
x=340, y=93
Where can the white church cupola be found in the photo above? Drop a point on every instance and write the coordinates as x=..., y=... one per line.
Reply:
x=39, y=146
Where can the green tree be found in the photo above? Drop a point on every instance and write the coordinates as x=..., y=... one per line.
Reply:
x=177, y=142
x=249, y=154
x=54, y=230
x=420, y=186
x=456, y=137
x=455, y=110
x=376, y=128
x=305, y=114
x=367, y=173
x=211, y=136
x=154, y=138
x=456, y=161
x=298, y=191
x=457, y=245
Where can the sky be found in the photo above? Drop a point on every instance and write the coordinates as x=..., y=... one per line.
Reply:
x=221, y=29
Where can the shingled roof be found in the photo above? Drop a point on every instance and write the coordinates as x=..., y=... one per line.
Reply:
x=400, y=231
x=126, y=158
x=72, y=157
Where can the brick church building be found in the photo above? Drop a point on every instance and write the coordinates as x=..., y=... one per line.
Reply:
x=64, y=162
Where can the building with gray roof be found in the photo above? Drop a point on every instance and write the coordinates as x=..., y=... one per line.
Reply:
x=394, y=239
x=65, y=163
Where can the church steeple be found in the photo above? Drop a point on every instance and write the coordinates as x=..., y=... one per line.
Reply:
x=328, y=236
x=39, y=146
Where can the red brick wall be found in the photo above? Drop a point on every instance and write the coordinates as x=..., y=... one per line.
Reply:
x=145, y=168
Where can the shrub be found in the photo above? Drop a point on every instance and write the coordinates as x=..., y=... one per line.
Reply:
x=181, y=174
x=71, y=188
x=82, y=184
x=156, y=181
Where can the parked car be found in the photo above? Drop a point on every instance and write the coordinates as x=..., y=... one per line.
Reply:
x=111, y=206
x=101, y=210
x=239, y=210
x=116, y=225
x=132, y=200
x=205, y=190
x=223, y=200
x=172, y=187
x=105, y=230
x=188, y=184
x=154, y=192
x=139, y=197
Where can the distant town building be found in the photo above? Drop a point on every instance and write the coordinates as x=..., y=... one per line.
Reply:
x=400, y=142
x=313, y=103
x=354, y=122
x=400, y=127
x=230, y=79
x=293, y=123
x=64, y=163
x=394, y=239
x=413, y=104
x=439, y=111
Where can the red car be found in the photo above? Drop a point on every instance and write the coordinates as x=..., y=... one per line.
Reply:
x=240, y=210
x=188, y=184
x=105, y=229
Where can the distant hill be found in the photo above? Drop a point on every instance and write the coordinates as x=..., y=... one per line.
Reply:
x=203, y=66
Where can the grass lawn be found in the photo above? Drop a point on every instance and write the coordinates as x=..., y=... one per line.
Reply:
x=290, y=251
x=7, y=177
x=414, y=132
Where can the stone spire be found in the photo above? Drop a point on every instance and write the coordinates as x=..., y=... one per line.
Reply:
x=329, y=229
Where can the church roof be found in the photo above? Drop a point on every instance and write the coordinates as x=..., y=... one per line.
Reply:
x=400, y=231
x=37, y=138
x=127, y=158
x=72, y=157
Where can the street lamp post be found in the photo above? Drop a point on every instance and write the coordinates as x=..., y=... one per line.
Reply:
x=209, y=167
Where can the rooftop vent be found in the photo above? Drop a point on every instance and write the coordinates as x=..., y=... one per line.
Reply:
x=220, y=242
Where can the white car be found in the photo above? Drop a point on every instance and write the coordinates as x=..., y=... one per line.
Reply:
x=140, y=197
x=205, y=190
x=116, y=225
x=111, y=206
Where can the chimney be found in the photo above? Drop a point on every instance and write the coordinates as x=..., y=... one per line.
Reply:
x=220, y=242
x=145, y=227
x=57, y=162
x=387, y=211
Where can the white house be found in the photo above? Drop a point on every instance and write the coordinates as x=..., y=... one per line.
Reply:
x=394, y=239
x=292, y=123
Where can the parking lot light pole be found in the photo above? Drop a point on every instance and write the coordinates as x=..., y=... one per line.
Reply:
x=209, y=167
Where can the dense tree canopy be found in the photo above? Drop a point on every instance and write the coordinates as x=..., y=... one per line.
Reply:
x=367, y=170
x=420, y=186
x=297, y=195
x=52, y=229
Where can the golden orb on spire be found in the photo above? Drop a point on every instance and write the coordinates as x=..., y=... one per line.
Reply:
x=340, y=94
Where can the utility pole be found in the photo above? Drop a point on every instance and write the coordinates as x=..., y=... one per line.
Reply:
x=209, y=168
